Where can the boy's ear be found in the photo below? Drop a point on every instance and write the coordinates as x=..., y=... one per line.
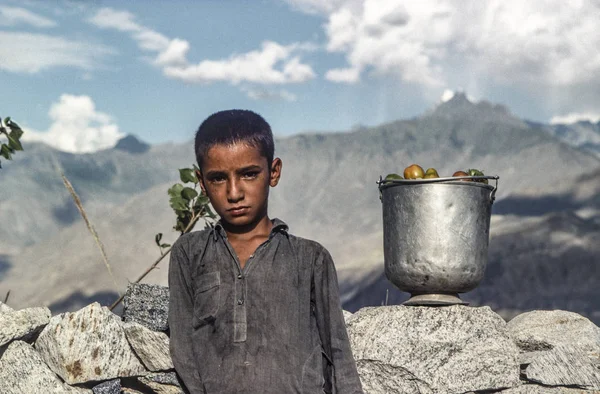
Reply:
x=275, y=172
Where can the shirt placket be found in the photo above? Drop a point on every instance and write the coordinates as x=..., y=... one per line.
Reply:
x=240, y=321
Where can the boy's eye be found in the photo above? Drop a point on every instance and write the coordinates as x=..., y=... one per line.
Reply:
x=217, y=178
x=251, y=174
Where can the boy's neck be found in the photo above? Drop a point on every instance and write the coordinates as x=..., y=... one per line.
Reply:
x=262, y=228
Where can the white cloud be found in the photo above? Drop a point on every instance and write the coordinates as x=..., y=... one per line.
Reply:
x=168, y=52
x=77, y=126
x=109, y=18
x=174, y=54
x=447, y=95
x=272, y=64
x=575, y=117
x=550, y=43
x=259, y=67
x=269, y=95
x=12, y=16
x=31, y=53
x=348, y=75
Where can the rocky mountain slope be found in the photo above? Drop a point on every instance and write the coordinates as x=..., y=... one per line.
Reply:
x=328, y=193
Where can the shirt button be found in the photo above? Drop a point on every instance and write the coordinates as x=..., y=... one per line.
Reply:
x=240, y=301
x=240, y=276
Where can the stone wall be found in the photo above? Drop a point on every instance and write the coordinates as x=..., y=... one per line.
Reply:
x=398, y=349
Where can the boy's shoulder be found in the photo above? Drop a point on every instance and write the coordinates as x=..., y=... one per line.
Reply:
x=306, y=247
x=192, y=240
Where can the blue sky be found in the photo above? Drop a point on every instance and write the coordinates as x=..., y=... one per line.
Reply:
x=78, y=74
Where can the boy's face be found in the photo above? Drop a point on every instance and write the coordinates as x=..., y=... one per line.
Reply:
x=236, y=179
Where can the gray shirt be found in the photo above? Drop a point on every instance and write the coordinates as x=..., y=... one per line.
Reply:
x=275, y=326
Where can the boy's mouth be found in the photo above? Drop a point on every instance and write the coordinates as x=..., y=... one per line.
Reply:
x=236, y=211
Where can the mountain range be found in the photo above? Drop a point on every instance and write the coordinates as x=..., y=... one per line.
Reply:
x=544, y=235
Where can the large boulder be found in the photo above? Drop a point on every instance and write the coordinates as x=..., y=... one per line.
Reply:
x=22, y=370
x=565, y=366
x=152, y=347
x=558, y=348
x=23, y=324
x=147, y=305
x=88, y=345
x=543, y=330
x=452, y=349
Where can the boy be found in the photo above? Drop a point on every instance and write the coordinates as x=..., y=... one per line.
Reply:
x=253, y=309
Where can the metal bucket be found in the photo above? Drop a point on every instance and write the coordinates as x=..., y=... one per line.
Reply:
x=436, y=235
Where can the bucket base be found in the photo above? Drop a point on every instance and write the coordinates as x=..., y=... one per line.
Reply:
x=434, y=300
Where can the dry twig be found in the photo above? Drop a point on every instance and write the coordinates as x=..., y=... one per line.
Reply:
x=90, y=228
x=153, y=266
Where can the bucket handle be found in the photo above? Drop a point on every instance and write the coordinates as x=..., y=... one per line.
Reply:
x=381, y=181
x=493, y=192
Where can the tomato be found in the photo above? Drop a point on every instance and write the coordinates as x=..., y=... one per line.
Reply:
x=431, y=173
x=414, y=171
x=462, y=173
x=393, y=176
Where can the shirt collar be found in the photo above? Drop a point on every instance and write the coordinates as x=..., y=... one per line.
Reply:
x=279, y=226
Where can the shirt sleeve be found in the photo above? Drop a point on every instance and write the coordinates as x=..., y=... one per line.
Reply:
x=181, y=309
x=332, y=327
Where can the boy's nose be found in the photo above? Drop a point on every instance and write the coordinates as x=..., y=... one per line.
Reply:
x=234, y=191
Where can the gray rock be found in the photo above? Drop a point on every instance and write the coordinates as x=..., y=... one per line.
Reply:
x=543, y=330
x=151, y=347
x=164, y=378
x=5, y=308
x=565, y=366
x=535, y=389
x=22, y=370
x=159, y=387
x=23, y=324
x=109, y=387
x=147, y=305
x=454, y=349
x=88, y=345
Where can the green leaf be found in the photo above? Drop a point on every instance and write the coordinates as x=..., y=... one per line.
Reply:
x=175, y=190
x=5, y=151
x=157, y=238
x=201, y=201
x=178, y=203
x=15, y=130
x=210, y=213
x=164, y=245
x=188, y=193
x=14, y=143
x=187, y=175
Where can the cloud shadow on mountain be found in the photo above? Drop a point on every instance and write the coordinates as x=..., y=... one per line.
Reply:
x=534, y=206
x=5, y=265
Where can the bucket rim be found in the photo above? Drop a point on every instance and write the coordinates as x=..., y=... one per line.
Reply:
x=384, y=184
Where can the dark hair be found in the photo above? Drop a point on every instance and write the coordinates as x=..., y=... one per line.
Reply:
x=231, y=126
